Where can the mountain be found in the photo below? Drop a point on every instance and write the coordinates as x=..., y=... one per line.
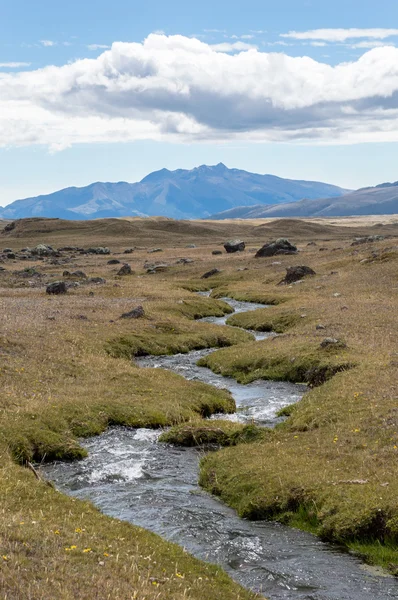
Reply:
x=179, y=194
x=379, y=200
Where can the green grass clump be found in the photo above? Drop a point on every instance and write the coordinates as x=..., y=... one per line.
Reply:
x=256, y=296
x=265, y=319
x=215, y=432
x=171, y=338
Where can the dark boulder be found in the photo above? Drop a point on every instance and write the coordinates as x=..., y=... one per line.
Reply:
x=99, y=250
x=128, y=251
x=113, y=261
x=280, y=246
x=97, y=280
x=296, y=274
x=57, y=287
x=216, y=252
x=210, y=273
x=234, y=246
x=125, y=270
x=136, y=313
x=9, y=227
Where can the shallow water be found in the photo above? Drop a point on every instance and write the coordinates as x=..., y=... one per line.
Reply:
x=129, y=475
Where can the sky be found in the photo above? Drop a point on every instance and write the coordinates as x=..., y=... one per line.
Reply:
x=100, y=91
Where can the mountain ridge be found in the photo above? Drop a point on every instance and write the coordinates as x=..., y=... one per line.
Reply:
x=179, y=194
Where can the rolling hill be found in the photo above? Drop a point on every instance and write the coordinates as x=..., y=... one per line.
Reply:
x=180, y=194
x=379, y=200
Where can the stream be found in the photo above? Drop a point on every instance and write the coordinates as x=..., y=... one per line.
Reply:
x=129, y=475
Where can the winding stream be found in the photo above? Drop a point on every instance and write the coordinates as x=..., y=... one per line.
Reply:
x=129, y=475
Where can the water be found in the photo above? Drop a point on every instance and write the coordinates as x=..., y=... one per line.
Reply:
x=129, y=475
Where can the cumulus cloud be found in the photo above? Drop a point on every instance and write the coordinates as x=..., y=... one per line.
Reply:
x=181, y=89
x=340, y=35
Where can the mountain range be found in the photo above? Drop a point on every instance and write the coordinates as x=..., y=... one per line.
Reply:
x=379, y=200
x=180, y=194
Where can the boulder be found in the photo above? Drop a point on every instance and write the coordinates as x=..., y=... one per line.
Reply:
x=44, y=250
x=99, y=250
x=113, y=261
x=279, y=246
x=234, y=246
x=125, y=270
x=184, y=261
x=152, y=269
x=216, y=252
x=210, y=273
x=128, y=251
x=9, y=227
x=7, y=250
x=137, y=313
x=57, y=287
x=97, y=280
x=296, y=273
x=11, y=255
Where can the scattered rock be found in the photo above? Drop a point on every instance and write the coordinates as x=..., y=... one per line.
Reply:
x=128, y=251
x=320, y=326
x=322, y=249
x=243, y=269
x=113, y=261
x=234, y=246
x=57, y=287
x=97, y=280
x=294, y=274
x=78, y=274
x=332, y=342
x=190, y=246
x=44, y=250
x=136, y=313
x=279, y=246
x=210, y=273
x=11, y=255
x=344, y=308
x=99, y=250
x=125, y=270
x=216, y=252
x=367, y=239
x=153, y=250
x=311, y=244
x=152, y=269
x=9, y=227
x=7, y=250
x=184, y=261
x=336, y=295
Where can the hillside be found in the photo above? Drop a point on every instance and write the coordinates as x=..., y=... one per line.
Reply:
x=180, y=194
x=379, y=200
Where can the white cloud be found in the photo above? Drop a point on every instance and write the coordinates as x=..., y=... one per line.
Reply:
x=48, y=43
x=234, y=47
x=14, y=65
x=181, y=89
x=340, y=35
x=368, y=44
x=98, y=46
x=247, y=36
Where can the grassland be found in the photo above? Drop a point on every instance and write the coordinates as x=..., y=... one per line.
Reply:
x=67, y=370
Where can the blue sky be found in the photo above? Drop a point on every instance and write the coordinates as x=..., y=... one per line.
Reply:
x=308, y=119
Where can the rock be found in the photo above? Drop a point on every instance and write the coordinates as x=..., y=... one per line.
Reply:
x=128, y=251
x=336, y=295
x=9, y=227
x=152, y=269
x=125, y=270
x=113, y=261
x=190, y=246
x=66, y=274
x=332, y=342
x=368, y=239
x=210, y=273
x=70, y=249
x=153, y=250
x=97, y=280
x=320, y=326
x=44, y=250
x=311, y=244
x=234, y=246
x=216, y=252
x=184, y=261
x=57, y=287
x=136, y=313
x=296, y=274
x=7, y=250
x=279, y=246
x=243, y=269
x=11, y=255
x=76, y=274
x=99, y=250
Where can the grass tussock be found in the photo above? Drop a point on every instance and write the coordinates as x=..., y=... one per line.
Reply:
x=214, y=432
x=265, y=319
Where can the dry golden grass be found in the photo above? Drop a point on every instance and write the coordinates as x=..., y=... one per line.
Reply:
x=58, y=381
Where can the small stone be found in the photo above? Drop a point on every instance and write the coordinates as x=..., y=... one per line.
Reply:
x=320, y=326
x=336, y=295
x=216, y=252
x=184, y=261
x=153, y=250
x=135, y=313
x=128, y=251
x=332, y=342
x=97, y=280
x=99, y=250
x=210, y=273
x=113, y=261
x=190, y=246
